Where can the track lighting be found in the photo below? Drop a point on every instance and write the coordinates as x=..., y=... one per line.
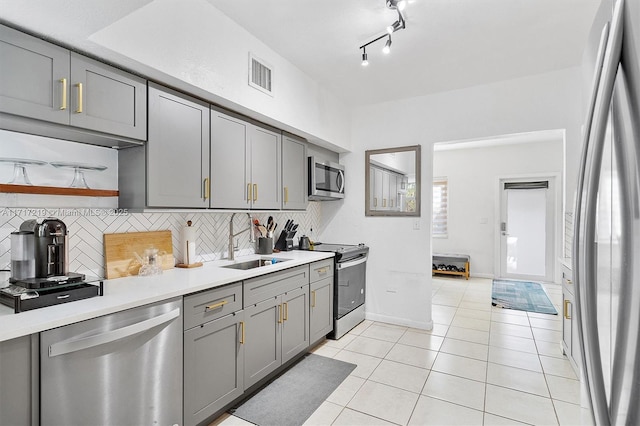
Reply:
x=399, y=24
x=387, y=46
x=395, y=26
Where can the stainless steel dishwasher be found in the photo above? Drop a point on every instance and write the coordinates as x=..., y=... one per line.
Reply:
x=120, y=369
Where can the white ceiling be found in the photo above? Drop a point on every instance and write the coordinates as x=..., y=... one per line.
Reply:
x=447, y=45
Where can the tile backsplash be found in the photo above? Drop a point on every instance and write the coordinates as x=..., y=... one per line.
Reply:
x=86, y=227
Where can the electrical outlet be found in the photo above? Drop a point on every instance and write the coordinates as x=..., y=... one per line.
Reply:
x=416, y=224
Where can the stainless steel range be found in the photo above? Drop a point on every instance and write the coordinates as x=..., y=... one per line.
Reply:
x=349, y=280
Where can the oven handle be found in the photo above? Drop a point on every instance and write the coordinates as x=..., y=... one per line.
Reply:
x=351, y=263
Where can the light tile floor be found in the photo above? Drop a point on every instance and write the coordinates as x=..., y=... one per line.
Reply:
x=479, y=365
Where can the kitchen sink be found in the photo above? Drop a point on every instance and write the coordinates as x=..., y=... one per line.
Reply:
x=255, y=263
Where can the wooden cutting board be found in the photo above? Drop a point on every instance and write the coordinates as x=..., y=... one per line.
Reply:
x=119, y=257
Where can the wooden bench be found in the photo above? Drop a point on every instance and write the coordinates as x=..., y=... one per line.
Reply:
x=451, y=259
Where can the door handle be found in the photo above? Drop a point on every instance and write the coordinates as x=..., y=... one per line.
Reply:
x=79, y=109
x=279, y=314
x=566, y=309
x=242, y=332
x=313, y=298
x=63, y=103
x=286, y=311
x=255, y=192
x=207, y=189
x=248, y=192
x=286, y=195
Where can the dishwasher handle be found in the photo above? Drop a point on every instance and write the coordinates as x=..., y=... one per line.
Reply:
x=75, y=345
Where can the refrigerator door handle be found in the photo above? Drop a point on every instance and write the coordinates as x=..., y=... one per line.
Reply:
x=585, y=251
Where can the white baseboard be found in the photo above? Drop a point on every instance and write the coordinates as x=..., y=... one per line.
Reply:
x=490, y=276
x=426, y=325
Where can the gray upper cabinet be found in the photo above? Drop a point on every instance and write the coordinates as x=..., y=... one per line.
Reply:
x=177, y=150
x=106, y=99
x=229, y=184
x=34, y=77
x=294, y=174
x=245, y=164
x=43, y=81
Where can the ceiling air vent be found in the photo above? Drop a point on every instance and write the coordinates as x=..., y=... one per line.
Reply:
x=260, y=75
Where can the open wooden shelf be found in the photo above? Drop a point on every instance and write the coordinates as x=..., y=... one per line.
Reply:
x=56, y=190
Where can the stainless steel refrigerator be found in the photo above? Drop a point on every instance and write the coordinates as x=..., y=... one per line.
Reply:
x=606, y=249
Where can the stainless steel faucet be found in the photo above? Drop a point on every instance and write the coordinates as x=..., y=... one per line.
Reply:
x=232, y=235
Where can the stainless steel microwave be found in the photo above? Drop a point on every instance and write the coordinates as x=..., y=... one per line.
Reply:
x=326, y=180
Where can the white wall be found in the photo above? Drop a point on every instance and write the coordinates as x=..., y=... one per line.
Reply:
x=472, y=176
x=540, y=102
x=201, y=50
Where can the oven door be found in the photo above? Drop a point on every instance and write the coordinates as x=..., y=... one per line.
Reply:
x=326, y=180
x=351, y=279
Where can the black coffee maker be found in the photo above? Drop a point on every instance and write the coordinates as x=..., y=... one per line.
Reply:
x=40, y=253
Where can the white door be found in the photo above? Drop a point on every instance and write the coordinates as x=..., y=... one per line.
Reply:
x=527, y=229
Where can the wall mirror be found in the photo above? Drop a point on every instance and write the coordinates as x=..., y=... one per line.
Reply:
x=392, y=181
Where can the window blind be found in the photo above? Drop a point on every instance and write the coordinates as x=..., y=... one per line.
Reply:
x=440, y=207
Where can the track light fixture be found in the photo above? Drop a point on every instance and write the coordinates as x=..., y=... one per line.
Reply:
x=399, y=24
x=387, y=46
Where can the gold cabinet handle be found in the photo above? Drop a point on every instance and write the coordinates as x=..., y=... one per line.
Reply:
x=255, y=192
x=375, y=202
x=286, y=311
x=242, y=332
x=322, y=271
x=313, y=298
x=286, y=194
x=215, y=306
x=79, y=109
x=207, y=189
x=569, y=282
x=279, y=314
x=248, y=193
x=63, y=103
x=566, y=309
x=384, y=202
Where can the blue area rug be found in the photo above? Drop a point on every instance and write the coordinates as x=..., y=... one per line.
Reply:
x=522, y=296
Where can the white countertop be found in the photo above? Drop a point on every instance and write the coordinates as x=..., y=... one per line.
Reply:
x=131, y=292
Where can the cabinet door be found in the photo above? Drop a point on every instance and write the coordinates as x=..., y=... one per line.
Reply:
x=229, y=162
x=33, y=77
x=295, y=322
x=265, y=168
x=377, y=197
x=393, y=191
x=294, y=174
x=385, y=190
x=262, y=340
x=321, y=312
x=567, y=320
x=18, y=377
x=177, y=150
x=106, y=99
x=213, y=367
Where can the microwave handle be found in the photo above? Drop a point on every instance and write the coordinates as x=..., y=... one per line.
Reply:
x=340, y=181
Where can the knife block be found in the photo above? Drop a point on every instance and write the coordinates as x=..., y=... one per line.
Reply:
x=285, y=241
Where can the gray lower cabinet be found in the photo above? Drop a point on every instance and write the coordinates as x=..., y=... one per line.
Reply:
x=46, y=82
x=263, y=340
x=213, y=367
x=277, y=321
x=19, y=381
x=321, y=299
x=245, y=163
x=295, y=322
x=172, y=169
x=570, y=336
x=321, y=312
x=294, y=174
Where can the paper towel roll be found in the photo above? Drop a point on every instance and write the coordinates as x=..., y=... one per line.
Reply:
x=188, y=244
